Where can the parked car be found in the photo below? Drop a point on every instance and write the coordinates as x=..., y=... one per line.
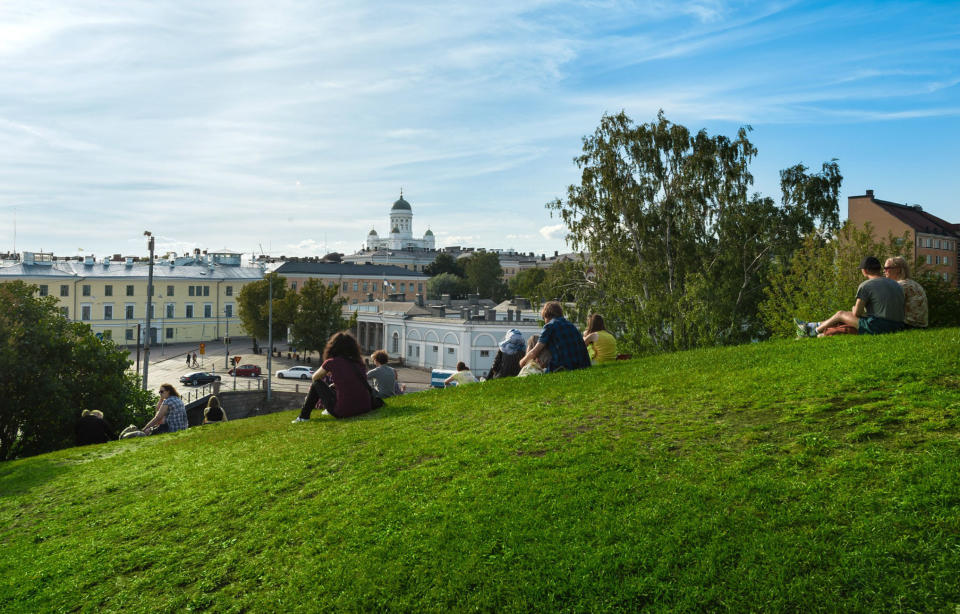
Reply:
x=245, y=371
x=300, y=372
x=199, y=377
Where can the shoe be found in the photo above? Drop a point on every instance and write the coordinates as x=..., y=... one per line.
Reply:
x=802, y=330
x=299, y=419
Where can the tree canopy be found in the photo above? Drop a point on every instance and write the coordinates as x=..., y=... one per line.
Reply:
x=444, y=263
x=679, y=248
x=485, y=276
x=53, y=369
x=253, y=307
x=318, y=315
x=447, y=283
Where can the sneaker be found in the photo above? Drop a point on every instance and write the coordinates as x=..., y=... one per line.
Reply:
x=802, y=330
x=299, y=419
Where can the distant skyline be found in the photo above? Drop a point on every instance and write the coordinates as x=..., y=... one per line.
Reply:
x=293, y=126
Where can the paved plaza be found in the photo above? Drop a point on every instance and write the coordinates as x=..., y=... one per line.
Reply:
x=168, y=363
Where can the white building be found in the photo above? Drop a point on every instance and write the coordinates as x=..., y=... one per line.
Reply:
x=440, y=336
x=401, y=231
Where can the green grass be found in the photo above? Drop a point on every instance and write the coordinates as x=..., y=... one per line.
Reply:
x=813, y=475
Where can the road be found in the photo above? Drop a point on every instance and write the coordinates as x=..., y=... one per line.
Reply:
x=167, y=364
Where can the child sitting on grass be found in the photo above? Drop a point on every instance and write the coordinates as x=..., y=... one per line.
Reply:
x=462, y=377
x=538, y=365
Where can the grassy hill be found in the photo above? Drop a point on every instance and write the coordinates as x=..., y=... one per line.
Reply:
x=813, y=475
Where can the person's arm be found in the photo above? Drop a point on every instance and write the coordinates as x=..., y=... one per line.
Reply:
x=590, y=338
x=319, y=374
x=533, y=353
x=159, y=418
x=450, y=379
x=859, y=308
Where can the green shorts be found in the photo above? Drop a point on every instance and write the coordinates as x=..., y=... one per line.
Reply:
x=872, y=325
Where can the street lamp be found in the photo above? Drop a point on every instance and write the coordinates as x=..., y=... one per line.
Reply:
x=146, y=342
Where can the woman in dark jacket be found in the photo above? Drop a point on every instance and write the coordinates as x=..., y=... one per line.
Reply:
x=350, y=393
x=507, y=361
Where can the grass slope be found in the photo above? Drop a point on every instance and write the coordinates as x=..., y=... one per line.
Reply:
x=817, y=475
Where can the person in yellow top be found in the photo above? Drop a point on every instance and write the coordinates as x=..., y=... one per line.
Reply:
x=600, y=344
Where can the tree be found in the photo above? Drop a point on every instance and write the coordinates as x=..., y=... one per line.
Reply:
x=527, y=284
x=485, y=276
x=444, y=263
x=679, y=249
x=319, y=314
x=253, y=307
x=447, y=283
x=53, y=369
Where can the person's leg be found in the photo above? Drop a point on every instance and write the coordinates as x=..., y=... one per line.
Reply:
x=841, y=317
x=319, y=391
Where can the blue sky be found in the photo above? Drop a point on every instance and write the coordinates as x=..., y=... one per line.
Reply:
x=293, y=125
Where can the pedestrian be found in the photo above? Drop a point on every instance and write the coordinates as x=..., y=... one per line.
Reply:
x=188, y=360
x=196, y=365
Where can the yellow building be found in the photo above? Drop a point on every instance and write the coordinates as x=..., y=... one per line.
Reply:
x=194, y=296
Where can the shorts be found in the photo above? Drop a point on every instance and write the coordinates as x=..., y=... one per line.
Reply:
x=872, y=325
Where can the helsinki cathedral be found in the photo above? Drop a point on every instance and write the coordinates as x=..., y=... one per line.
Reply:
x=401, y=231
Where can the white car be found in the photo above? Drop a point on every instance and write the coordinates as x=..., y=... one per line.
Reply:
x=296, y=373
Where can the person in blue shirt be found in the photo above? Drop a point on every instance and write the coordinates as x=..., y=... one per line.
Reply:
x=567, y=349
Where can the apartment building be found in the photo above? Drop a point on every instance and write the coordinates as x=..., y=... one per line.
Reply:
x=356, y=282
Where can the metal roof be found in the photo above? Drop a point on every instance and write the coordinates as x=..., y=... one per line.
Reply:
x=917, y=218
x=346, y=269
x=121, y=270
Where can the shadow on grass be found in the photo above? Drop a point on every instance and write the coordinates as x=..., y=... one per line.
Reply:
x=18, y=477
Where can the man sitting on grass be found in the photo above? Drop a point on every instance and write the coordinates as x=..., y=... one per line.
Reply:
x=879, y=308
x=567, y=349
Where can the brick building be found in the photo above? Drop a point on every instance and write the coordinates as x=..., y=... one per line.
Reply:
x=357, y=282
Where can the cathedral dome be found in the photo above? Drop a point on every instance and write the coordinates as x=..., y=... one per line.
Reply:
x=429, y=233
x=401, y=205
x=372, y=233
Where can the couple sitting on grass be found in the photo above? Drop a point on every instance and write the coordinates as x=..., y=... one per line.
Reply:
x=887, y=302
x=340, y=385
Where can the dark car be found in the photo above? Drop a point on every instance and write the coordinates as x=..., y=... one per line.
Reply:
x=245, y=371
x=200, y=377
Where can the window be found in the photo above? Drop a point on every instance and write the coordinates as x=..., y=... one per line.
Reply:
x=396, y=343
x=169, y=333
x=484, y=353
x=409, y=350
x=108, y=290
x=344, y=287
x=107, y=335
x=366, y=286
x=435, y=349
x=228, y=310
x=191, y=291
x=64, y=290
x=129, y=334
x=169, y=290
x=128, y=312
x=356, y=286
x=936, y=259
x=946, y=259
x=420, y=288
x=929, y=259
x=229, y=290
x=65, y=312
x=170, y=310
x=129, y=290
x=450, y=350
x=85, y=288
x=938, y=243
x=946, y=277
x=418, y=351
x=43, y=290
x=189, y=310
x=402, y=286
x=208, y=310
x=85, y=312
x=929, y=242
x=293, y=286
x=206, y=290
x=108, y=312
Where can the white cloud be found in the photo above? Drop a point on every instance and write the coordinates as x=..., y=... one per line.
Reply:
x=557, y=231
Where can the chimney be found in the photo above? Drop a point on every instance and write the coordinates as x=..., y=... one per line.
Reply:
x=491, y=315
x=555, y=253
x=870, y=193
x=464, y=313
x=445, y=298
x=475, y=310
x=89, y=260
x=438, y=311
x=474, y=299
x=509, y=315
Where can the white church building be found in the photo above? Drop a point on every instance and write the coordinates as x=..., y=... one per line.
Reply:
x=401, y=231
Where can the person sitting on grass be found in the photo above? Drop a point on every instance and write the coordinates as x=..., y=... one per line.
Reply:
x=538, y=365
x=383, y=377
x=879, y=307
x=507, y=361
x=350, y=393
x=213, y=412
x=600, y=344
x=92, y=428
x=462, y=377
x=171, y=414
x=567, y=349
x=916, y=310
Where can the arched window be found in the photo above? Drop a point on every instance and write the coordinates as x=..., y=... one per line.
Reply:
x=396, y=342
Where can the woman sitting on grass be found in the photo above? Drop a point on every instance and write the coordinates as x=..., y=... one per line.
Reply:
x=600, y=344
x=462, y=377
x=507, y=361
x=171, y=414
x=213, y=412
x=537, y=366
x=350, y=393
x=916, y=311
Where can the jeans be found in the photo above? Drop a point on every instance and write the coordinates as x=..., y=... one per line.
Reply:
x=319, y=391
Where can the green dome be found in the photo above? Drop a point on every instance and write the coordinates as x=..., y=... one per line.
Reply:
x=429, y=233
x=372, y=233
x=401, y=205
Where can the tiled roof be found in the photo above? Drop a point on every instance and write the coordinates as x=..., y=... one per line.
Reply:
x=916, y=218
x=346, y=269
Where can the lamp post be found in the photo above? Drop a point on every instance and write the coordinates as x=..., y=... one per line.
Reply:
x=146, y=342
x=269, y=335
x=226, y=341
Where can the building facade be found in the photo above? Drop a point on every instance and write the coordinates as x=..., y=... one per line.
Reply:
x=356, y=282
x=401, y=231
x=936, y=242
x=194, y=298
